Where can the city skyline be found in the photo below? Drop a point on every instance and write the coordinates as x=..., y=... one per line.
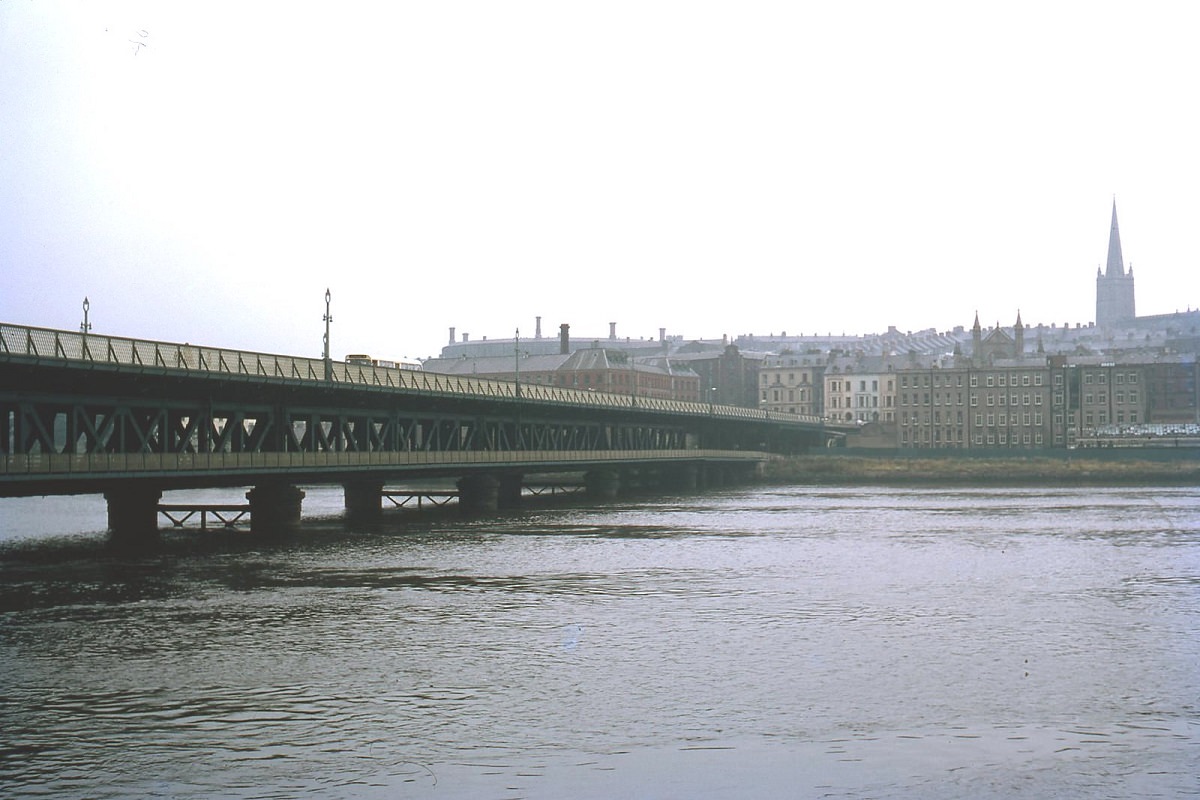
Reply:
x=206, y=177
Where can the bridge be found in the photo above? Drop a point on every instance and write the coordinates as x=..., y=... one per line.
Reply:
x=82, y=413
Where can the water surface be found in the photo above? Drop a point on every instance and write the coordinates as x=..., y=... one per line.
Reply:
x=779, y=642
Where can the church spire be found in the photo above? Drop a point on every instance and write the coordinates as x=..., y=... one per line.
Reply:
x=1116, y=264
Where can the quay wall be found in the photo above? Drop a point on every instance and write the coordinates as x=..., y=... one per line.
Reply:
x=947, y=468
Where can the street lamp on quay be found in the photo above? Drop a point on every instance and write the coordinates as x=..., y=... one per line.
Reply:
x=325, y=356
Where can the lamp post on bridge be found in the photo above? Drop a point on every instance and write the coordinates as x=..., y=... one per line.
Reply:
x=84, y=327
x=328, y=319
x=517, y=360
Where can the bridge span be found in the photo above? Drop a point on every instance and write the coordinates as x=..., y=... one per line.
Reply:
x=83, y=413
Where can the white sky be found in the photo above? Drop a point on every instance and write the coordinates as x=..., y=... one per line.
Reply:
x=203, y=171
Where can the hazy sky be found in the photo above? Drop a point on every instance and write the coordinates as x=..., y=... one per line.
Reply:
x=203, y=171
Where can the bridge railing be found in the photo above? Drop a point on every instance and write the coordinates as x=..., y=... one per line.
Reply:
x=43, y=466
x=47, y=344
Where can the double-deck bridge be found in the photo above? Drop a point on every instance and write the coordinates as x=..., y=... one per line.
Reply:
x=84, y=413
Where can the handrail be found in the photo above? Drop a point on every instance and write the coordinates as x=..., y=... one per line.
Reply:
x=84, y=465
x=48, y=344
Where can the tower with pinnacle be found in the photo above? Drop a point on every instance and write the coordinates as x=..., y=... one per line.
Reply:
x=1114, y=286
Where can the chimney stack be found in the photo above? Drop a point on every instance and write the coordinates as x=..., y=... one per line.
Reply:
x=612, y=330
x=564, y=339
x=451, y=335
x=466, y=336
x=537, y=334
x=662, y=334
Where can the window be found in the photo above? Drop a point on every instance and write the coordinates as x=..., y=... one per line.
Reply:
x=1133, y=377
x=991, y=381
x=1133, y=395
x=979, y=420
x=1024, y=380
x=974, y=381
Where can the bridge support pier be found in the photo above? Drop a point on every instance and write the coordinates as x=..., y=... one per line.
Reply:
x=133, y=514
x=713, y=476
x=274, y=507
x=509, y=490
x=479, y=493
x=602, y=484
x=684, y=478
x=364, y=499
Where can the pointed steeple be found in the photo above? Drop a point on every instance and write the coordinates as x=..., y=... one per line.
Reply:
x=1116, y=264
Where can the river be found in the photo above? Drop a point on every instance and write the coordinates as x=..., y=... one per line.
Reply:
x=762, y=642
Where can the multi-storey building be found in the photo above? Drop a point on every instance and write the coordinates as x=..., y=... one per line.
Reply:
x=792, y=384
x=1002, y=404
x=860, y=389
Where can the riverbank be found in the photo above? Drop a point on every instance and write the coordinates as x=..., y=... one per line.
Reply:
x=826, y=469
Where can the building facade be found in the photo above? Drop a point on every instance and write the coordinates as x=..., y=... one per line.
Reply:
x=792, y=384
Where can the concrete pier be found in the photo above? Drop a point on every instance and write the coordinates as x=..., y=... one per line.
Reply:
x=602, y=484
x=509, y=490
x=364, y=499
x=683, y=478
x=479, y=493
x=274, y=507
x=133, y=513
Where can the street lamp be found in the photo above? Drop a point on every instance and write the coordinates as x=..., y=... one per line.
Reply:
x=328, y=319
x=84, y=327
x=517, y=360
